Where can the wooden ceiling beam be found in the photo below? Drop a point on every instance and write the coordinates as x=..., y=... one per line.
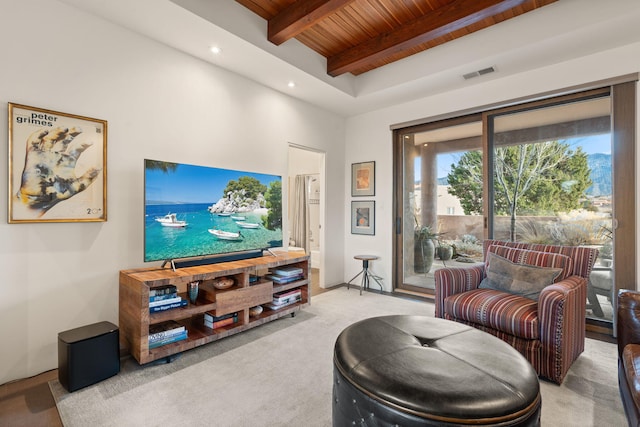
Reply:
x=440, y=22
x=299, y=16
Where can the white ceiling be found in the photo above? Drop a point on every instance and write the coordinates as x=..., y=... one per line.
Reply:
x=555, y=33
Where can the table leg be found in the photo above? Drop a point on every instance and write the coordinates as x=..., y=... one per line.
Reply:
x=594, y=304
x=354, y=278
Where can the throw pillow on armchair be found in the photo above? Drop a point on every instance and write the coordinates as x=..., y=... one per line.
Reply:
x=518, y=279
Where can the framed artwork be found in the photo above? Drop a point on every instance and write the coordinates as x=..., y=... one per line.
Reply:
x=363, y=217
x=57, y=166
x=363, y=179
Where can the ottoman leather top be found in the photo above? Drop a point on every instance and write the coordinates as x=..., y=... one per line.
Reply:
x=436, y=369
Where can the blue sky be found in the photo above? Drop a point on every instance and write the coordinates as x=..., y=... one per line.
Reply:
x=194, y=184
x=590, y=145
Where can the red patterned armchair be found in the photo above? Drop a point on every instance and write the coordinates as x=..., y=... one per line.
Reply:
x=546, y=326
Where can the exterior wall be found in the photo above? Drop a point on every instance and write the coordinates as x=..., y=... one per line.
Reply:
x=461, y=225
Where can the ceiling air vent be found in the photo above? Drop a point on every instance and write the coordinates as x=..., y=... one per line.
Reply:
x=479, y=73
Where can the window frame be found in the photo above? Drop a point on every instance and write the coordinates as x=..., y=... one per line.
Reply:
x=622, y=92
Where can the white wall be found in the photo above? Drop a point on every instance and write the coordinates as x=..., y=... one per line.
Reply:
x=369, y=137
x=167, y=105
x=160, y=104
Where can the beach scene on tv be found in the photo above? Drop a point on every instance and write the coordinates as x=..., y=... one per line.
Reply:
x=193, y=211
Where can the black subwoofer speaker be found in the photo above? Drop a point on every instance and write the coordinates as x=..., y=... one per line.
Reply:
x=87, y=355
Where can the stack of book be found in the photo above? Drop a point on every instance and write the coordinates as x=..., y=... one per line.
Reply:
x=212, y=321
x=164, y=298
x=287, y=274
x=166, y=333
x=285, y=298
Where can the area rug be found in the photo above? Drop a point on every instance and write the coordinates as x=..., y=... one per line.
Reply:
x=280, y=374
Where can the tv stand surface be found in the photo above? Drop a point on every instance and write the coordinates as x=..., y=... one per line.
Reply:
x=135, y=284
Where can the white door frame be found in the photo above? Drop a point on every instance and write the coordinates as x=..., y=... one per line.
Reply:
x=322, y=206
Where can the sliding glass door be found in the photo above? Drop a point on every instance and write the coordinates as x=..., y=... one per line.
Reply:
x=436, y=227
x=552, y=175
x=553, y=171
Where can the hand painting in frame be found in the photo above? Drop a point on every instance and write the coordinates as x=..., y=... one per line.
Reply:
x=363, y=179
x=363, y=217
x=57, y=166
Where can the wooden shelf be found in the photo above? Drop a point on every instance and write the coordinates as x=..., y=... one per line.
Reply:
x=135, y=317
x=202, y=305
x=292, y=285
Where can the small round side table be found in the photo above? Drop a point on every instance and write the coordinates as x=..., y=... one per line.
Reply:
x=366, y=274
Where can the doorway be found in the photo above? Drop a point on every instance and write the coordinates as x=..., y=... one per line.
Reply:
x=306, y=196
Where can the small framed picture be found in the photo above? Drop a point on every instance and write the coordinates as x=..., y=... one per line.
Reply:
x=363, y=217
x=363, y=179
x=57, y=166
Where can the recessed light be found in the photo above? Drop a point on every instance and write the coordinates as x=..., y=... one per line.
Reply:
x=291, y=84
x=216, y=50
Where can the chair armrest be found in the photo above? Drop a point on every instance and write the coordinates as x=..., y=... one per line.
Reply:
x=628, y=326
x=561, y=314
x=557, y=296
x=455, y=280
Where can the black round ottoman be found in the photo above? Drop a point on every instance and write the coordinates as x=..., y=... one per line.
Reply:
x=424, y=371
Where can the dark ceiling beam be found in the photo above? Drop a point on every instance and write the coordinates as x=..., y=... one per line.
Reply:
x=440, y=22
x=299, y=16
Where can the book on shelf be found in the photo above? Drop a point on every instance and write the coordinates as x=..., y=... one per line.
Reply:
x=175, y=338
x=288, y=271
x=221, y=323
x=286, y=296
x=164, y=301
x=285, y=301
x=280, y=280
x=162, y=290
x=274, y=306
x=211, y=317
x=163, y=307
x=163, y=297
x=287, y=293
x=227, y=319
x=163, y=330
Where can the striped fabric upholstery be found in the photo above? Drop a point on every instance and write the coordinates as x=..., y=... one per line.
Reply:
x=513, y=314
x=451, y=281
x=535, y=258
x=530, y=349
x=549, y=333
x=583, y=257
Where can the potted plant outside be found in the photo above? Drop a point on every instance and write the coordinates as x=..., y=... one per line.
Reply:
x=444, y=251
x=424, y=249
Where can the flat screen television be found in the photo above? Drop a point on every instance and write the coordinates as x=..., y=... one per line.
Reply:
x=197, y=212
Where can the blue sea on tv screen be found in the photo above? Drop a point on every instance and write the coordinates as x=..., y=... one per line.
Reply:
x=188, y=191
x=163, y=243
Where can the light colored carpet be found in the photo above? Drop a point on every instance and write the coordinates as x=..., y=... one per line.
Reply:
x=280, y=374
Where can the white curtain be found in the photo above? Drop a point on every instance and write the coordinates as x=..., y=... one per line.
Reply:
x=300, y=220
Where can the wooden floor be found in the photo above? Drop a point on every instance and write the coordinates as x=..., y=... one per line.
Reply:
x=315, y=283
x=28, y=402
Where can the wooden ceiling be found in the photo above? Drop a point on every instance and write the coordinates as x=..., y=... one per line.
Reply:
x=357, y=36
